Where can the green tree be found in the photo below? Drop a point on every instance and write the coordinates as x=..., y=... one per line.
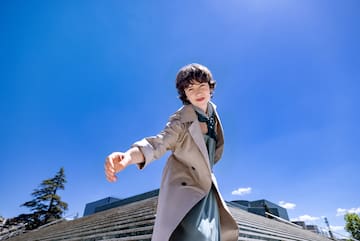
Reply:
x=353, y=225
x=46, y=205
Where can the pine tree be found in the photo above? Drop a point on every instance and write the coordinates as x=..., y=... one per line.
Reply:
x=46, y=205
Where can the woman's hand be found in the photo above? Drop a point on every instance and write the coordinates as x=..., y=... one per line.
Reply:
x=116, y=162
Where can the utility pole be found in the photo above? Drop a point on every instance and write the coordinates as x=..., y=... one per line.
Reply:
x=327, y=224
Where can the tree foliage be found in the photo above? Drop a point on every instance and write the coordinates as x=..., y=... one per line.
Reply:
x=353, y=225
x=46, y=205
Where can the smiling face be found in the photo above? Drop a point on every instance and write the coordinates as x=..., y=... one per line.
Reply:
x=195, y=85
x=198, y=94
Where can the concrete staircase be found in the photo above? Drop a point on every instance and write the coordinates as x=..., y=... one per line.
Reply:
x=255, y=227
x=134, y=221
x=130, y=222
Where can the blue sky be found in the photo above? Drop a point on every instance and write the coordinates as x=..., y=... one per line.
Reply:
x=81, y=79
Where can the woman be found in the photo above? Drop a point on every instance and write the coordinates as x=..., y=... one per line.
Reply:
x=190, y=207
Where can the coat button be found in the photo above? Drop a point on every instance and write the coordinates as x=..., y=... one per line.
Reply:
x=183, y=183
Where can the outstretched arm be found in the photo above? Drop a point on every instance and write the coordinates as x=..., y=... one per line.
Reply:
x=118, y=161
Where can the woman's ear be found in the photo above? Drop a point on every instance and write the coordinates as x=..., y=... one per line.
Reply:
x=211, y=92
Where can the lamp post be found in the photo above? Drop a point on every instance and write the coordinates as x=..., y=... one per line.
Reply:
x=327, y=224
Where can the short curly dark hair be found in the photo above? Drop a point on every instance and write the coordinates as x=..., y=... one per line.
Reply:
x=190, y=73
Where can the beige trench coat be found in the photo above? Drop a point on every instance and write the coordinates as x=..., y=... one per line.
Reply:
x=187, y=176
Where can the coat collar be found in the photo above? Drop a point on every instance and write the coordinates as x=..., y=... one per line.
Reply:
x=188, y=114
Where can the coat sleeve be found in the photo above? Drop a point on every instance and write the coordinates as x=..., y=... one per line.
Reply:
x=154, y=147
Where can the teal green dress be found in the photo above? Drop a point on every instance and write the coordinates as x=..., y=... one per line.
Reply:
x=202, y=222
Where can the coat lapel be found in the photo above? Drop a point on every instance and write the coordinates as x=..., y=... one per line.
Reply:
x=198, y=137
x=189, y=115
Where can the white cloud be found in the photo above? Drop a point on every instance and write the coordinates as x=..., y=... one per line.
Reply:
x=343, y=211
x=241, y=191
x=354, y=210
x=340, y=211
x=287, y=205
x=337, y=228
x=306, y=218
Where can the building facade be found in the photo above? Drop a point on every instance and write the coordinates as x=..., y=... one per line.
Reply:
x=263, y=207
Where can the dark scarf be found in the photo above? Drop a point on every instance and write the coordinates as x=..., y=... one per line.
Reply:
x=210, y=121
